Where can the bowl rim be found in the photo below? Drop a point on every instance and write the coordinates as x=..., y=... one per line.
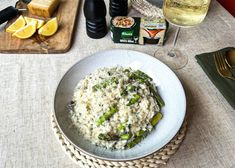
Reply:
x=104, y=158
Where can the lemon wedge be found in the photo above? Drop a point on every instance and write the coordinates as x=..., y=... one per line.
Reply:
x=49, y=28
x=40, y=22
x=26, y=31
x=18, y=24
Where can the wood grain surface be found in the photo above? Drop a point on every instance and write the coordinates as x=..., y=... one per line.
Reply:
x=58, y=43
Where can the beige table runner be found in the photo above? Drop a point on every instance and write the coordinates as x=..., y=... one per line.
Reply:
x=28, y=82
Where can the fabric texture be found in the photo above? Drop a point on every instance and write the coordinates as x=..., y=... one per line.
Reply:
x=28, y=83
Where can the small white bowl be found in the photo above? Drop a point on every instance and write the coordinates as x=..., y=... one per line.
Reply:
x=169, y=88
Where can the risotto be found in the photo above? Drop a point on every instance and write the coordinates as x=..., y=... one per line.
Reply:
x=116, y=107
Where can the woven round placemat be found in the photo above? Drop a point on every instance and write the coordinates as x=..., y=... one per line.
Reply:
x=152, y=161
x=147, y=9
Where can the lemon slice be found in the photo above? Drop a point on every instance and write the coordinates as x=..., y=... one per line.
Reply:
x=49, y=28
x=40, y=22
x=27, y=31
x=18, y=24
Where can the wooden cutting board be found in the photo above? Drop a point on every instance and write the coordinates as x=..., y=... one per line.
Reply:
x=58, y=43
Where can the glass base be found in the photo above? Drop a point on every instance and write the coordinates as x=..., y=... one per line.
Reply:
x=172, y=58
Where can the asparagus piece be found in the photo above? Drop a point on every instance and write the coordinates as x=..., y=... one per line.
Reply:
x=123, y=92
x=129, y=88
x=156, y=118
x=140, y=76
x=100, y=120
x=122, y=127
x=133, y=143
x=127, y=70
x=113, y=137
x=113, y=80
x=143, y=75
x=140, y=135
x=96, y=87
x=107, y=115
x=108, y=137
x=158, y=98
x=105, y=83
x=100, y=86
x=134, y=99
x=125, y=136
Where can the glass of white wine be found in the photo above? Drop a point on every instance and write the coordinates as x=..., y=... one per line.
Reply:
x=181, y=13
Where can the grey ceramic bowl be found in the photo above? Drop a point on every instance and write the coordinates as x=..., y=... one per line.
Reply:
x=168, y=85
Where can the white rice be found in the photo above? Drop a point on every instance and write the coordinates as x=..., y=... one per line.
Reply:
x=91, y=104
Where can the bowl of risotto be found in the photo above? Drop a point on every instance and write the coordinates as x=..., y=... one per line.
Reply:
x=119, y=105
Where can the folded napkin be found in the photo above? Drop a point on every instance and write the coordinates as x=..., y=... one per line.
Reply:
x=224, y=85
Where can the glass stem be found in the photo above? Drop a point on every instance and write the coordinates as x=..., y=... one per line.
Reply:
x=171, y=53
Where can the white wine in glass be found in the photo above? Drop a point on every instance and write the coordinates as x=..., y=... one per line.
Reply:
x=181, y=13
x=185, y=13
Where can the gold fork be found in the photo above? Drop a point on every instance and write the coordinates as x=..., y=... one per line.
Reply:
x=221, y=66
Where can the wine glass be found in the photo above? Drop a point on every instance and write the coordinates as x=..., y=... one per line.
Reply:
x=185, y=14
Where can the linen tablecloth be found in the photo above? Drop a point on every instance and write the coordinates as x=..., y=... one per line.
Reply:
x=28, y=83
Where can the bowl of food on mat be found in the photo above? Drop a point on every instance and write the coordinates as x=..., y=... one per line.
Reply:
x=119, y=105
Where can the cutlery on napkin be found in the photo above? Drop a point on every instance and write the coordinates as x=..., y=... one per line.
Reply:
x=224, y=85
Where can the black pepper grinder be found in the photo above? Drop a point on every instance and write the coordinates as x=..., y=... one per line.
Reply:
x=118, y=8
x=95, y=12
